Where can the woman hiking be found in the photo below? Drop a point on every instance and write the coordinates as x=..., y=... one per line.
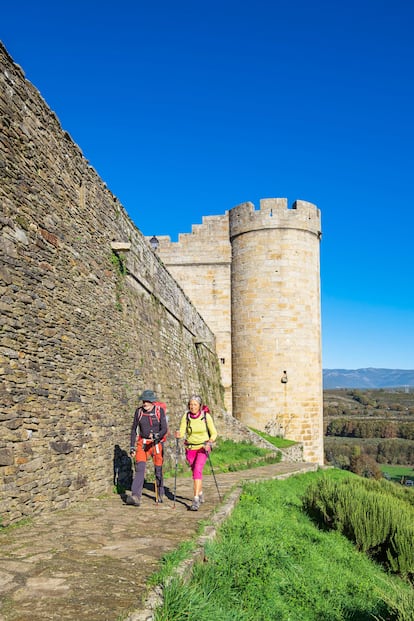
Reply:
x=197, y=427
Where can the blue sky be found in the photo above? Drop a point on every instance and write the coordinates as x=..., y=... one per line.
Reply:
x=189, y=108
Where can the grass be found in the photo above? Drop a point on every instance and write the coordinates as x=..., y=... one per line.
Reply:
x=20, y=524
x=270, y=561
x=280, y=443
x=396, y=472
x=229, y=456
x=170, y=562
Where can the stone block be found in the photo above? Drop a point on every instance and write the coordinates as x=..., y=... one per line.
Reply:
x=6, y=457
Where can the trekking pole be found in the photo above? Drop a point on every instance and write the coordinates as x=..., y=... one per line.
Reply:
x=156, y=489
x=214, y=476
x=156, y=450
x=176, y=467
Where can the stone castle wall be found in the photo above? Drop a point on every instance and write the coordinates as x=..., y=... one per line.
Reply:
x=255, y=276
x=201, y=263
x=84, y=328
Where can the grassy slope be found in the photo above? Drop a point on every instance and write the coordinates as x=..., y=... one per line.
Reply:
x=229, y=456
x=271, y=562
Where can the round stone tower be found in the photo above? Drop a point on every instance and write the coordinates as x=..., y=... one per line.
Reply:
x=276, y=320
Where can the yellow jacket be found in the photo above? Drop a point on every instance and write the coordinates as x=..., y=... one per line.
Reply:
x=198, y=430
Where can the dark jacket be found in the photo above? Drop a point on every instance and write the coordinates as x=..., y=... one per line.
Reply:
x=146, y=423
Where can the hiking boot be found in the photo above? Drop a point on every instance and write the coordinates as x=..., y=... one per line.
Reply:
x=196, y=504
x=201, y=497
x=133, y=500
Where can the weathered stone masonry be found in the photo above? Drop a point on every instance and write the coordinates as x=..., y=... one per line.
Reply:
x=84, y=329
x=91, y=317
x=254, y=275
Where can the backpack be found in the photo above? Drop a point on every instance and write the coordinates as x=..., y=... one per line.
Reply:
x=158, y=406
x=204, y=411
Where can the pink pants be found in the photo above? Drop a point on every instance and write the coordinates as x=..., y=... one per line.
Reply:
x=196, y=459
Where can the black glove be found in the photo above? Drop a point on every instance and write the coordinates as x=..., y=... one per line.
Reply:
x=156, y=437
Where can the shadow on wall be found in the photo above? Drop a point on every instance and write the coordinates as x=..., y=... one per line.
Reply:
x=122, y=470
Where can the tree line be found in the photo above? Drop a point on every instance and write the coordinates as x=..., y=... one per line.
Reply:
x=364, y=429
x=347, y=453
x=369, y=428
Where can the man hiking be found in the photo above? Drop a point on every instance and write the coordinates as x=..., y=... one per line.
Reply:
x=149, y=427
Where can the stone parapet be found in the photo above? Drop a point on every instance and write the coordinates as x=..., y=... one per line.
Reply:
x=274, y=214
x=208, y=243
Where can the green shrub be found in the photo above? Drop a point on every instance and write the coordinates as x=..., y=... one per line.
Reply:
x=375, y=515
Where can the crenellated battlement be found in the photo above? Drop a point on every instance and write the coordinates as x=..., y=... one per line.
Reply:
x=211, y=225
x=212, y=233
x=274, y=213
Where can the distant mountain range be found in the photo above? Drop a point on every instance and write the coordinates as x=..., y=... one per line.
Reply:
x=367, y=378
